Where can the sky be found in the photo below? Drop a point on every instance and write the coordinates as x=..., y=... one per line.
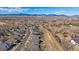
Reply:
x=40, y=10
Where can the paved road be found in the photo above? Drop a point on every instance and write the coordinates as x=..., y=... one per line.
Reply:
x=33, y=42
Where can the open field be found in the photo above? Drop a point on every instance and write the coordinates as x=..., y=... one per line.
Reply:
x=39, y=33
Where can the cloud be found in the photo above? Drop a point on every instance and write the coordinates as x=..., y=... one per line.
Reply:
x=60, y=12
x=57, y=12
x=14, y=9
x=38, y=9
x=3, y=9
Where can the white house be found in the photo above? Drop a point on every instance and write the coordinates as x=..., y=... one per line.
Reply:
x=75, y=41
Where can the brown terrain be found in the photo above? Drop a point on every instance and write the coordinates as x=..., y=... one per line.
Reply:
x=39, y=33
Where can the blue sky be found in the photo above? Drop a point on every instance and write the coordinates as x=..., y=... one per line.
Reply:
x=40, y=10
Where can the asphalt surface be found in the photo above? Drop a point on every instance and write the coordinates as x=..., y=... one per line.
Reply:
x=34, y=44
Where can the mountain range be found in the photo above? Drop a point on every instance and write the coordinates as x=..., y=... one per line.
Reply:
x=21, y=14
x=31, y=15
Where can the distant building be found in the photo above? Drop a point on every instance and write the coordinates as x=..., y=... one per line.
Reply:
x=73, y=18
x=75, y=41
